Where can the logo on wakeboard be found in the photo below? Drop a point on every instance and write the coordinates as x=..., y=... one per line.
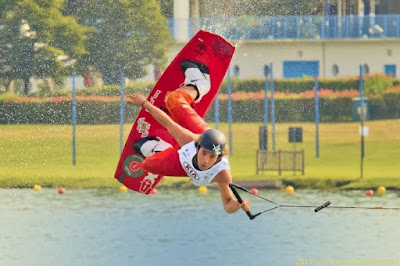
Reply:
x=155, y=96
x=131, y=166
x=143, y=127
x=147, y=183
x=222, y=50
x=201, y=48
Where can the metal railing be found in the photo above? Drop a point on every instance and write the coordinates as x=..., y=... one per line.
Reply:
x=296, y=27
x=280, y=161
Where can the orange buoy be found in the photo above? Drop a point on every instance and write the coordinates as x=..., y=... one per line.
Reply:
x=369, y=193
x=153, y=191
x=254, y=191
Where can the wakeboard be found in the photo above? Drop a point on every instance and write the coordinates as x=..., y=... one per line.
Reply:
x=205, y=47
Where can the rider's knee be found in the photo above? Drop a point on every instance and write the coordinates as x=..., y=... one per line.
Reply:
x=177, y=97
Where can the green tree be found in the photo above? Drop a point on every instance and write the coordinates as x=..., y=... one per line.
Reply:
x=37, y=40
x=126, y=36
x=167, y=8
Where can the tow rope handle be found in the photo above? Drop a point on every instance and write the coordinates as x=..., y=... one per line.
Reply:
x=239, y=199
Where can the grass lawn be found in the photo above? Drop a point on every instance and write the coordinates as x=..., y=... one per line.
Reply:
x=42, y=154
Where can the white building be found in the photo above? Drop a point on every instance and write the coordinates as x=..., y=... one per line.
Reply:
x=327, y=46
x=329, y=58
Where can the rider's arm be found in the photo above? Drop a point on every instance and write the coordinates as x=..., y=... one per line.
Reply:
x=179, y=133
x=231, y=205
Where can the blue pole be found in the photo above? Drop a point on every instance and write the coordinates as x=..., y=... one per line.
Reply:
x=362, y=121
x=362, y=110
x=272, y=108
x=230, y=112
x=121, y=118
x=73, y=119
x=316, y=116
x=398, y=26
x=216, y=106
x=266, y=70
x=361, y=86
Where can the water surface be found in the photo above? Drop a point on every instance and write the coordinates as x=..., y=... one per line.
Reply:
x=104, y=227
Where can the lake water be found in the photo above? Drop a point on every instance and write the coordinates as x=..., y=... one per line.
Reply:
x=105, y=227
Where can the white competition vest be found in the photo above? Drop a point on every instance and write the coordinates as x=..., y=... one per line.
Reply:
x=199, y=178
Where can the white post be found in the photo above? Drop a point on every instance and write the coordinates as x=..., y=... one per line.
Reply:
x=195, y=15
x=372, y=15
x=339, y=18
x=361, y=8
x=181, y=20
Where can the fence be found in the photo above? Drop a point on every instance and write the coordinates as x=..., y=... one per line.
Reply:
x=296, y=27
x=280, y=161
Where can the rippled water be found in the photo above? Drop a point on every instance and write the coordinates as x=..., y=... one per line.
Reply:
x=104, y=227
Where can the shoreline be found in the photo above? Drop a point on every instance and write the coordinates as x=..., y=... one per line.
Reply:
x=185, y=183
x=306, y=184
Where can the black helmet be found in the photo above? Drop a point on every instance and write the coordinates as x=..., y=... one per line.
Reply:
x=212, y=140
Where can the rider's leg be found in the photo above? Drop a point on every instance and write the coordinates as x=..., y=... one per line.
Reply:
x=164, y=163
x=178, y=104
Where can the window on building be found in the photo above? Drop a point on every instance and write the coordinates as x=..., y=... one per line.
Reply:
x=266, y=70
x=365, y=69
x=335, y=70
x=236, y=71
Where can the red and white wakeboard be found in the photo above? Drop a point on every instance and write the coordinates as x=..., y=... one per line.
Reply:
x=205, y=47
